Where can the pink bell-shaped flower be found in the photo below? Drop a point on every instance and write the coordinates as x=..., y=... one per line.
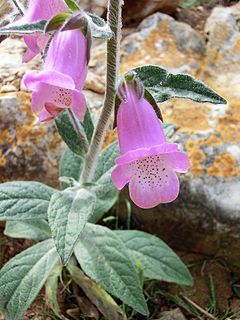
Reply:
x=39, y=10
x=60, y=84
x=147, y=161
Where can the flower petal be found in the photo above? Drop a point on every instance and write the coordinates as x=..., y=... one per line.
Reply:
x=49, y=113
x=149, y=193
x=146, y=152
x=79, y=105
x=137, y=123
x=28, y=55
x=40, y=10
x=121, y=176
x=179, y=161
x=32, y=79
x=73, y=47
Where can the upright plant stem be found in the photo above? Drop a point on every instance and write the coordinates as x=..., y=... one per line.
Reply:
x=113, y=53
x=79, y=130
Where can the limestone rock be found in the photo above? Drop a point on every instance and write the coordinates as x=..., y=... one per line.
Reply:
x=28, y=151
x=163, y=41
x=223, y=47
x=96, y=6
x=11, y=67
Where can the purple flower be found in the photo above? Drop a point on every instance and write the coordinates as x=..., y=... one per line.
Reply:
x=147, y=161
x=36, y=11
x=60, y=84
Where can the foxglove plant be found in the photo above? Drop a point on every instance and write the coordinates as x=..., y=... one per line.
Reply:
x=98, y=260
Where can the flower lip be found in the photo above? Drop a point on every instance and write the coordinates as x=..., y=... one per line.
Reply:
x=137, y=154
x=32, y=79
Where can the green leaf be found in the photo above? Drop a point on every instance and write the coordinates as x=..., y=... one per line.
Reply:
x=158, y=260
x=70, y=166
x=107, y=194
x=28, y=229
x=57, y=21
x=26, y=28
x=72, y=5
x=104, y=258
x=163, y=86
x=51, y=290
x=99, y=28
x=68, y=133
x=23, y=276
x=106, y=161
x=99, y=297
x=68, y=214
x=23, y=200
x=88, y=125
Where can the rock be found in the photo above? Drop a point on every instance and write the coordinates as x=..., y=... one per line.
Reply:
x=163, y=41
x=94, y=100
x=135, y=10
x=28, y=151
x=96, y=6
x=206, y=216
x=175, y=314
x=223, y=47
x=11, y=67
x=95, y=83
x=8, y=88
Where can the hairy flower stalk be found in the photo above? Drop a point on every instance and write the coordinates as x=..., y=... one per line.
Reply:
x=113, y=49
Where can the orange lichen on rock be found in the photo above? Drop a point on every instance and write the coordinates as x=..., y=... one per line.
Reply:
x=54, y=140
x=23, y=132
x=149, y=48
x=110, y=137
x=213, y=141
x=191, y=144
x=5, y=136
x=229, y=125
x=25, y=106
x=189, y=117
x=223, y=166
x=238, y=171
x=196, y=157
x=3, y=160
x=27, y=151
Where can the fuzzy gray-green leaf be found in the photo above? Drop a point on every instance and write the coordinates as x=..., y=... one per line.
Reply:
x=23, y=29
x=104, y=258
x=68, y=214
x=22, y=200
x=28, y=229
x=69, y=134
x=164, y=85
x=23, y=276
x=158, y=260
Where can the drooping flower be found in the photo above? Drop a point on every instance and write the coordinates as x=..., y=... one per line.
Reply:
x=60, y=84
x=39, y=10
x=147, y=161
